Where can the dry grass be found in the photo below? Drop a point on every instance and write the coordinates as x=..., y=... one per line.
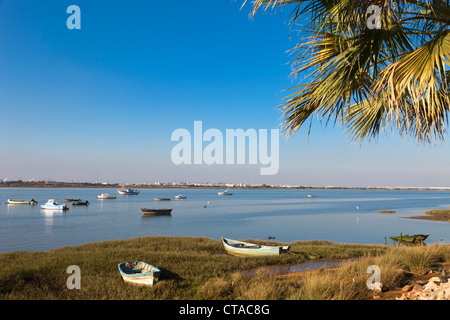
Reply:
x=198, y=268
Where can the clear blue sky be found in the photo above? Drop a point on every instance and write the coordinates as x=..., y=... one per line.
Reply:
x=103, y=101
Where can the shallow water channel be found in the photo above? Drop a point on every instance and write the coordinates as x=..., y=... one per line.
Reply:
x=304, y=266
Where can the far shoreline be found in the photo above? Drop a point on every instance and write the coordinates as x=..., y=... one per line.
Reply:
x=58, y=184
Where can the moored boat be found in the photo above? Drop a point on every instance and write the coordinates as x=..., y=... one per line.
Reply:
x=53, y=205
x=311, y=196
x=106, y=196
x=32, y=201
x=70, y=199
x=225, y=193
x=240, y=248
x=127, y=191
x=139, y=272
x=155, y=212
x=162, y=199
x=180, y=197
x=80, y=203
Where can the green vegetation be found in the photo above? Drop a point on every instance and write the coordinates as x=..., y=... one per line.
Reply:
x=199, y=268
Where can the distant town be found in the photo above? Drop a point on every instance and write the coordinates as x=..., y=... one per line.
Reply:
x=213, y=185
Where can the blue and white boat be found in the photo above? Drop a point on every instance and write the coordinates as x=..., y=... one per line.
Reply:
x=127, y=191
x=139, y=272
x=53, y=205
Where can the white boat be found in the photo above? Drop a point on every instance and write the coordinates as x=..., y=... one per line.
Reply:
x=32, y=201
x=225, y=193
x=311, y=196
x=139, y=272
x=127, y=191
x=240, y=248
x=53, y=205
x=106, y=196
x=180, y=197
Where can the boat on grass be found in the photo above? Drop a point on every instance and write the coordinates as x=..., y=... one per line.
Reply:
x=32, y=201
x=80, y=203
x=180, y=197
x=162, y=199
x=106, y=196
x=416, y=239
x=225, y=193
x=53, y=205
x=127, y=191
x=156, y=212
x=139, y=272
x=240, y=248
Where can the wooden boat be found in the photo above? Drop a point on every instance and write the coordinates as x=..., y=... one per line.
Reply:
x=225, y=193
x=127, y=191
x=32, y=201
x=80, y=203
x=416, y=239
x=139, y=272
x=155, y=212
x=240, y=248
x=106, y=196
x=53, y=205
x=162, y=199
x=180, y=197
x=70, y=200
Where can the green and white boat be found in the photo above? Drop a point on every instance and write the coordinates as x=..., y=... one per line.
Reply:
x=240, y=248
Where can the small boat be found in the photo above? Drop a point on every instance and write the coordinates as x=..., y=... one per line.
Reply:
x=53, y=205
x=155, y=212
x=240, y=248
x=32, y=201
x=106, y=196
x=139, y=272
x=225, y=193
x=127, y=191
x=417, y=239
x=80, y=203
x=180, y=197
x=162, y=199
x=70, y=200
x=311, y=196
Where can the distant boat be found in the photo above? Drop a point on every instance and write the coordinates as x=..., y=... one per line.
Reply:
x=311, y=196
x=106, y=196
x=127, y=191
x=162, y=199
x=80, y=203
x=139, y=272
x=70, y=200
x=225, y=193
x=53, y=205
x=240, y=248
x=155, y=212
x=180, y=197
x=32, y=201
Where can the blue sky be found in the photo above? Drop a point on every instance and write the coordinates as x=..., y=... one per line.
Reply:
x=103, y=101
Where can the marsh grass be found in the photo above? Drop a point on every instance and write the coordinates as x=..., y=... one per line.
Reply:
x=199, y=269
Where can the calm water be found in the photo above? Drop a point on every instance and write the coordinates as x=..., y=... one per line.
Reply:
x=348, y=216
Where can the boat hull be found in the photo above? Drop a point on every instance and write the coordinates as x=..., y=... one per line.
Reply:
x=139, y=272
x=156, y=212
x=162, y=199
x=240, y=248
x=10, y=201
x=127, y=192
